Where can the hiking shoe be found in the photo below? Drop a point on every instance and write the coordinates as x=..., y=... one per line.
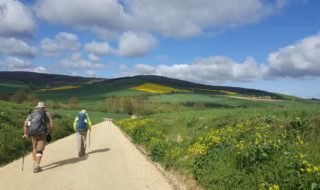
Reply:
x=37, y=169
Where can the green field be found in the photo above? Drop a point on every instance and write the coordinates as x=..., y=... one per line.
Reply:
x=225, y=101
x=220, y=141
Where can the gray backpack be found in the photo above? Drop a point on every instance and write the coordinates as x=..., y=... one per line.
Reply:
x=37, y=123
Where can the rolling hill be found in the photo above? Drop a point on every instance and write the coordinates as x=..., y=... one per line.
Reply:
x=41, y=84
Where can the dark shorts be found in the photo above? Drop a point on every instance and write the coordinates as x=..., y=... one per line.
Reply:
x=38, y=142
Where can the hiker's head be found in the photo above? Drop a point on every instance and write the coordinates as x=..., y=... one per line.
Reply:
x=83, y=111
x=40, y=105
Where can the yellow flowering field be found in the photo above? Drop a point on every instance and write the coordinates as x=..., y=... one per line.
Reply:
x=157, y=89
x=59, y=88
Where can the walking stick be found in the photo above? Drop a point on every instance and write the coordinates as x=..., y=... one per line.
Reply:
x=23, y=156
x=22, y=162
x=89, y=137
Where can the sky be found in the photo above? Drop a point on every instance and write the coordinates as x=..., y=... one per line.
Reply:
x=271, y=45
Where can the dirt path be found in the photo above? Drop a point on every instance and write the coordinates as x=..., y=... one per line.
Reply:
x=112, y=163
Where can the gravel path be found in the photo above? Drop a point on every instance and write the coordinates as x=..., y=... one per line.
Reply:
x=112, y=162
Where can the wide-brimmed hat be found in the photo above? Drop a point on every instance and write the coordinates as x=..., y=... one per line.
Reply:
x=83, y=111
x=40, y=105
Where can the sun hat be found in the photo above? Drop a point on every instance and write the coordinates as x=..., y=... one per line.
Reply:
x=40, y=105
x=83, y=111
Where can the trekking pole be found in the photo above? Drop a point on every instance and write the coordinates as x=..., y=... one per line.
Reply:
x=22, y=162
x=24, y=145
x=23, y=156
x=89, y=137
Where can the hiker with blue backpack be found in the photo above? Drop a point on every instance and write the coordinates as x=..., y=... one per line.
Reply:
x=35, y=126
x=81, y=125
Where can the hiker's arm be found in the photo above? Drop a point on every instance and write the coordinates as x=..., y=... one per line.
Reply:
x=75, y=123
x=52, y=129
x=89, y=123
x=25, y=127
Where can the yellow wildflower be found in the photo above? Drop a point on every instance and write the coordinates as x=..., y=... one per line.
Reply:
x=197, y=149
x=240, y=145
x=309, y=170
x=276, y=187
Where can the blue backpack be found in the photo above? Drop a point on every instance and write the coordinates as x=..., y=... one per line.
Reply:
x=82, y=125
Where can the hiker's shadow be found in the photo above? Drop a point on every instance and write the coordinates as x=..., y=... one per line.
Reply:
x=73, y=160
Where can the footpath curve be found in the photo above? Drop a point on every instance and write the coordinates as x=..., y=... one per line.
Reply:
x=112, y=162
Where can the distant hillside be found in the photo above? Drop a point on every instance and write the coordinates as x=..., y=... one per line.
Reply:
x=40, y=79
x=12, y=81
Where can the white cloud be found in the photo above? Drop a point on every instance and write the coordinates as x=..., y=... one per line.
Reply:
x=99, y=49
x=105, y=33
x=50, y=47
x=190, y=18
x=216, y=69
x=144, y=69
x=167, y=17
x=68, y=41
x=298, y=60
x=39, y=70
x=93, y=57
x=17, y=64
x=13, y=46
x=63, y=41
x=131, y=44
x=15, y=19
x=79, y=13
x=135, y=44
x=77, y=62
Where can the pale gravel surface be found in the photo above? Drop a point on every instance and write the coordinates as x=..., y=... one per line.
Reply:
x=112, y=163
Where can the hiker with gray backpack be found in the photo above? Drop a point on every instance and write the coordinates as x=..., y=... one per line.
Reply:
x=35, y=126
x=81, y=125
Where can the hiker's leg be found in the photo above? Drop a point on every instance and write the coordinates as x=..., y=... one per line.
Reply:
x=84, y=137
x=38, y=157
x=34, y=151
x=40, y=148
x=78, y=143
